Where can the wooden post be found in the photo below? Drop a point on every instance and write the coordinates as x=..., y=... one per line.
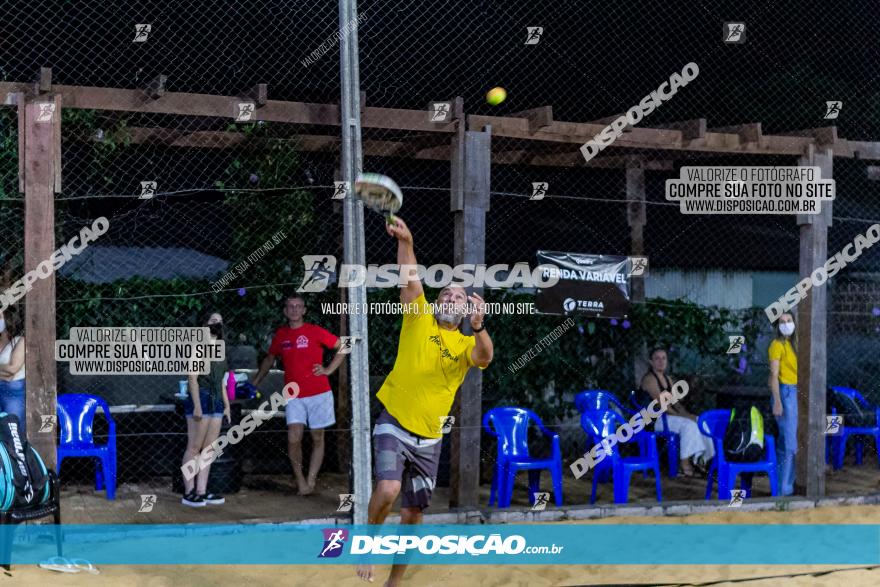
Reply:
x=471, y=167
x=636, y=217
x=42, y=145
x=812, y=339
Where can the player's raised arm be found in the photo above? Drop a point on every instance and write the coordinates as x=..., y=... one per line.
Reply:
x=406, y=258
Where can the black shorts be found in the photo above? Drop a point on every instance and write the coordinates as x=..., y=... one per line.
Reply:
x=400, y=455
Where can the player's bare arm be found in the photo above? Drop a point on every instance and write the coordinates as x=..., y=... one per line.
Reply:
x=264, y=369
x=483, y=349
x=406, y=257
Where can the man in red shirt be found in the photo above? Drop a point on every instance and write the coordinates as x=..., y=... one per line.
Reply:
x=300, y=346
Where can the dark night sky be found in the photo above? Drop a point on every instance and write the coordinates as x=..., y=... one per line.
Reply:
x=595, y=59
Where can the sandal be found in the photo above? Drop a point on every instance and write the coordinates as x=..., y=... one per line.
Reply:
x=59, y=564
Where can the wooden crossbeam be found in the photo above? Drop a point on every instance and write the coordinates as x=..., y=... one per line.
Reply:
x=425, y=147
x=258, y=95
x=748, y=133
x=538, y=118
x=573, y=134
x=690, y=129
x=456, y=111
x=824, y=135
x=606, y=120
x=155, y=88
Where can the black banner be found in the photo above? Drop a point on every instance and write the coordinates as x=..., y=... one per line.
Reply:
x=589, y=285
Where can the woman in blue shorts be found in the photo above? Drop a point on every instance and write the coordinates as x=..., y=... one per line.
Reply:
x=205, y=408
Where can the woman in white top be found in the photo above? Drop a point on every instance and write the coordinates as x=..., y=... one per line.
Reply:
x=12, y=365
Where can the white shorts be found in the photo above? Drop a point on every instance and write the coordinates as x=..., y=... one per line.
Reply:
x=315, y=411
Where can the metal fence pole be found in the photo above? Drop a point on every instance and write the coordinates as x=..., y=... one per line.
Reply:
x=353, y=220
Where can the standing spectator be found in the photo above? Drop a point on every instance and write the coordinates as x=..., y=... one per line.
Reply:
x=783, y=387
x=12, y=396
x=204, y=408
x=300, y=346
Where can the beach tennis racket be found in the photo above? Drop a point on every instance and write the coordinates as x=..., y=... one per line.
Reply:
x=379, y=193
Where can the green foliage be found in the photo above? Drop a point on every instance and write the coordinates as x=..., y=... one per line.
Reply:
x=590, y=354
x=265, y=220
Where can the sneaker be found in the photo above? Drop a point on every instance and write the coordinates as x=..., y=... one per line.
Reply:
x=193, y=500
x=214, y=499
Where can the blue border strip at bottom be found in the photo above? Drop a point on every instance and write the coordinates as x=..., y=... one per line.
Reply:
x=596, y=544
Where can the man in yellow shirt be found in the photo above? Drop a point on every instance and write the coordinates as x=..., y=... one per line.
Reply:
x=433, y=357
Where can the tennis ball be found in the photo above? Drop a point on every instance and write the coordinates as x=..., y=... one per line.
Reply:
x=496, y=96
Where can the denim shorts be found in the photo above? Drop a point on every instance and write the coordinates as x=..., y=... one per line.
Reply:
x=209, y=409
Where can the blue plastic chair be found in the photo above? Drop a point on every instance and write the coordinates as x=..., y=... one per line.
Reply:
x=672, y=439
x=713, y=423
x=76, y=415
x=599, y=399
x=599, y=424
x=510, y=426
x=838, y=441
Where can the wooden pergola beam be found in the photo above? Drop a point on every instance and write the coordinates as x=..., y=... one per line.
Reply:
x=258, y=94
x=155, y=88
x=690, y=129
x=824, y=136
x=538, y=118
x=426, y=147
x=563, y=133
x=606, y=120
x=748, y=133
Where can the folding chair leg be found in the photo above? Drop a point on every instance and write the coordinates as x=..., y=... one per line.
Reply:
x=774, y=482
x=877, y=447
x=731, y=484
x=746, y=483
x=723, y=484
x=672, y=455
x=860, y=447
x=110, y=478
x=621, y=485
x=510, y=478
x=657, y=482
x=99, y=474
x=534, y=484
x=840, y=453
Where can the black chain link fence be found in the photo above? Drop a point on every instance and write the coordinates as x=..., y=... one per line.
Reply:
x=192, y=200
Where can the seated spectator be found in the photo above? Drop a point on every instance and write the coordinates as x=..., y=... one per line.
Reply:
x=694, y=446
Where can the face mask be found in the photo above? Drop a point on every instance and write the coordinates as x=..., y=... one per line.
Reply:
x=216, y=329
x=786, y=328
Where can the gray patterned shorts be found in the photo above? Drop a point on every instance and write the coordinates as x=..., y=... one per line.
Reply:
x=400, y=455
